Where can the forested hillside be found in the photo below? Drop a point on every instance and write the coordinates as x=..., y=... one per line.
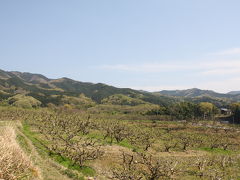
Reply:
x=56, y=91
x=51, y=90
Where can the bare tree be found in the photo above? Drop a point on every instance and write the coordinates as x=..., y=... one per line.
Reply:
x=169, y=142
x=115, y=130
x=143, y=138
x=128, y=169
x=186, y=140
x=82, y=151
x=158, y=168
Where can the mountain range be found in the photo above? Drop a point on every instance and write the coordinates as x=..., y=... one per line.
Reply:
x=50, y=90
x=45, y=89
x=198, y=95
x=198, y=92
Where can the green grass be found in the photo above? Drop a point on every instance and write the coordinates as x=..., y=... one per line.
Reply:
x=66, y=162
x=38, y=144
x=88, y=171
x=126, y=144
x=96, y=136
x=72, y=175
x=216, y=150
x=23, y=144
x=107, y=141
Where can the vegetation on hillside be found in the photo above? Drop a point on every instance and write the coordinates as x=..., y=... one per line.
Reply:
x=75, y=130
x=115, y=146
x=120, y=99
x=23, y=101
x=43, y=89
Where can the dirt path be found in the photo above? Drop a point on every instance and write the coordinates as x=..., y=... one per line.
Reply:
x=14, y=156
x=47, y=169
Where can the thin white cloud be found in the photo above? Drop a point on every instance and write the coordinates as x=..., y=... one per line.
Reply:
x=145, y=67
x=221, y=68
x=226, y=71
x=223, y=86
x=232, y=51
x=218, y=72
x=228, y=63
x=203, y=67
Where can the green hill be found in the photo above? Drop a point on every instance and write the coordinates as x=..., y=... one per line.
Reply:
x=198, y=95
x=194, y=93
x=120, y=99
x=53, y=90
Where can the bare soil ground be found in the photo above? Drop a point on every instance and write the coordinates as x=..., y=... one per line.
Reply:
x=113, y=154
x=46, y=169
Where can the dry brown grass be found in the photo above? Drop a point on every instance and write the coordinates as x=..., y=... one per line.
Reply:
x=14, y=164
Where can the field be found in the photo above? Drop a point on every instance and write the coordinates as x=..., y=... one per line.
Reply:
x=73, y=144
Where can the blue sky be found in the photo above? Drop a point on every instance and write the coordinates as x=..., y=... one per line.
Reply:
x=142, y=44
